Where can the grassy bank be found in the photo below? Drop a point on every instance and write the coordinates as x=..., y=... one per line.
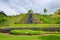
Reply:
x=21, y=37
x=30, y=25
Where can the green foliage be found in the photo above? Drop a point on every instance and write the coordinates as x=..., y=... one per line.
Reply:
x=2, y=13
x=50, y=37
x=9, y=20
x=57, y=11
x=25, y=32
x=30, y=11
x=18, y=37
x=48, y=19
x=3, y=22
x=13, y=21
x=3, y=18
x=33, y=37
x=45, y=10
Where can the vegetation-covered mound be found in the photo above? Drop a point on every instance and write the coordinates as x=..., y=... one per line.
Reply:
x=25, y=32
x=23, y=18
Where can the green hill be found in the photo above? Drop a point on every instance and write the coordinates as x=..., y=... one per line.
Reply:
x=20, y=20
x=49, y=19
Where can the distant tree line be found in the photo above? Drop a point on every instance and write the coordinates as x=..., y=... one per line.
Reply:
x=2, y=12
x=57, y=11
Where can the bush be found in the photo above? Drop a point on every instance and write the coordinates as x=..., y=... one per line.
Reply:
x=24, y=32
x=48, y=19
x=15, y=23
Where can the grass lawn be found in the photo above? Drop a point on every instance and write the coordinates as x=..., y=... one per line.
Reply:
x=30, y=25
x=16, y=22
x=7, y=37
x=33, y=37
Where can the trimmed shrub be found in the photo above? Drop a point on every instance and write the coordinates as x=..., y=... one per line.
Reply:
x=25, y=32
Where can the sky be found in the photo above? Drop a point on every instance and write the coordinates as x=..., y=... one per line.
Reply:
x=13, y=7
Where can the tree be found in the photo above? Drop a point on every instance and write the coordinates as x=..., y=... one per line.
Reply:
x=30, y=11
x=45, y=10
x=57, y=12
x=2, y=12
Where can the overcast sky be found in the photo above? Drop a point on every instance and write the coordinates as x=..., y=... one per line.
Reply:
x=13, y=7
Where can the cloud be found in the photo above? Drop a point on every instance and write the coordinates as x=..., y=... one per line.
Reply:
x=13, y=7
x=53, y=6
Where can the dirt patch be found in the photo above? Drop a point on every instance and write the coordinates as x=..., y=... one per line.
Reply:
x=51, y=29
x=7, y=30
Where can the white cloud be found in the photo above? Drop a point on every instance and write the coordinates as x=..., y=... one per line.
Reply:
x=12, y=7
x=7, y=9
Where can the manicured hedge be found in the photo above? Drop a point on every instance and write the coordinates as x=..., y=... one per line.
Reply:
x=25, y=32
